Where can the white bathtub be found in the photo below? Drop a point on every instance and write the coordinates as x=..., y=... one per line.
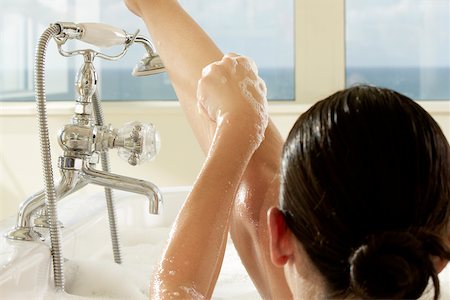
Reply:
x=90, y=273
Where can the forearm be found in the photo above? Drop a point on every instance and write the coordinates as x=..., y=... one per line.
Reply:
x=177, y=35
x=185, y=50
x=194, y=254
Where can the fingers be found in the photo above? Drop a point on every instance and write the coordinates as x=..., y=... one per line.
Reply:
x=213, y=69
x=231, y=69
x=231, y=54
x=230, y=85
x=240, y=66
x=234, y=64
x=213, y=79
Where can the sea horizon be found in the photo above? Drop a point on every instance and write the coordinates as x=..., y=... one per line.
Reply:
x=119, y=85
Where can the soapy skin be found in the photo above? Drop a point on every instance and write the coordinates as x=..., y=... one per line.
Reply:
x=232, y=85
x=226, y=108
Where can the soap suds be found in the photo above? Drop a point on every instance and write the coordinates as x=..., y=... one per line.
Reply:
x=101, y=278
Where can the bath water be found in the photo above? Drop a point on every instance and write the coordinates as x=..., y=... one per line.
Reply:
x=98, y=277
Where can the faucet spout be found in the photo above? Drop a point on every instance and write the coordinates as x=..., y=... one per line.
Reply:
x=124, y=183
x=70, y=182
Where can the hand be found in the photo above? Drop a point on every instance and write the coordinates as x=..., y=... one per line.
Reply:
x=232, y=87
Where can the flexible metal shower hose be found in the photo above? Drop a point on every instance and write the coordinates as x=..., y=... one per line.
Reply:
x=99, y=120
x=50, y=193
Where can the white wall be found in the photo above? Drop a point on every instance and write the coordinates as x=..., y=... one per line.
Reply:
x=178, y=162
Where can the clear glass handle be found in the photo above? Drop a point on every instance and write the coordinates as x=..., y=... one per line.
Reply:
x=138, y=142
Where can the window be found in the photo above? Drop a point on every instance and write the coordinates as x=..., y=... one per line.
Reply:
x=263, y=30
x=400, y=44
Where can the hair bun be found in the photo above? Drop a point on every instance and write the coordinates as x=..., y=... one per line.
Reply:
x=390, y=265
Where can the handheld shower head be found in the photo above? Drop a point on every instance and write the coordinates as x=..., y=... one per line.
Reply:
x=151, y=62
x=103, y=35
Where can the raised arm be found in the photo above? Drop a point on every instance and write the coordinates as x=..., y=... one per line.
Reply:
x=186, y=49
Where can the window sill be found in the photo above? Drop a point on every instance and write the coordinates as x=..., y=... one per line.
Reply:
x=170, y=107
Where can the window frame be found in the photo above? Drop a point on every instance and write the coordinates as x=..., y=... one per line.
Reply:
x=319, y=49
x=320, y=42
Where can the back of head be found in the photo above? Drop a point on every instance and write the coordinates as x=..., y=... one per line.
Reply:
x=366, y=190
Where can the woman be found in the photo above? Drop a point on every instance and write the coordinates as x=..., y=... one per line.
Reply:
x=365, y=183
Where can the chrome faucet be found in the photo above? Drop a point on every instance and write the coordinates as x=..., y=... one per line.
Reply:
x=85, y=140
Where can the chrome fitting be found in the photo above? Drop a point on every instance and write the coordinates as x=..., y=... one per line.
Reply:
x=70, y=163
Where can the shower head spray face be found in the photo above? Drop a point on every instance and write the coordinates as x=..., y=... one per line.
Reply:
x=150, y=64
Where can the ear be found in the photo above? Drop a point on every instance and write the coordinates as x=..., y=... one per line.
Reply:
x=439, y=262
x=281, y=243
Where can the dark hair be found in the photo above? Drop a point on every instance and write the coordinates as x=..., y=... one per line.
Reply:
x=365, y=187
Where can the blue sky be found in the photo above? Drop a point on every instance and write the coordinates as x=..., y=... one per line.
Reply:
x=398, y=33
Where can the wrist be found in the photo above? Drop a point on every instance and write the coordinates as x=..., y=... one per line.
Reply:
x=244, y=132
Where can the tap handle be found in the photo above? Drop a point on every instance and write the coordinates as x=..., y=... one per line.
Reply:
x=137, y=142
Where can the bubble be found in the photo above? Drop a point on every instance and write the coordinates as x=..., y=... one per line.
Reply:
x=206, y=70
x=192, y=292
x=223, y=80
x=259, y=106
